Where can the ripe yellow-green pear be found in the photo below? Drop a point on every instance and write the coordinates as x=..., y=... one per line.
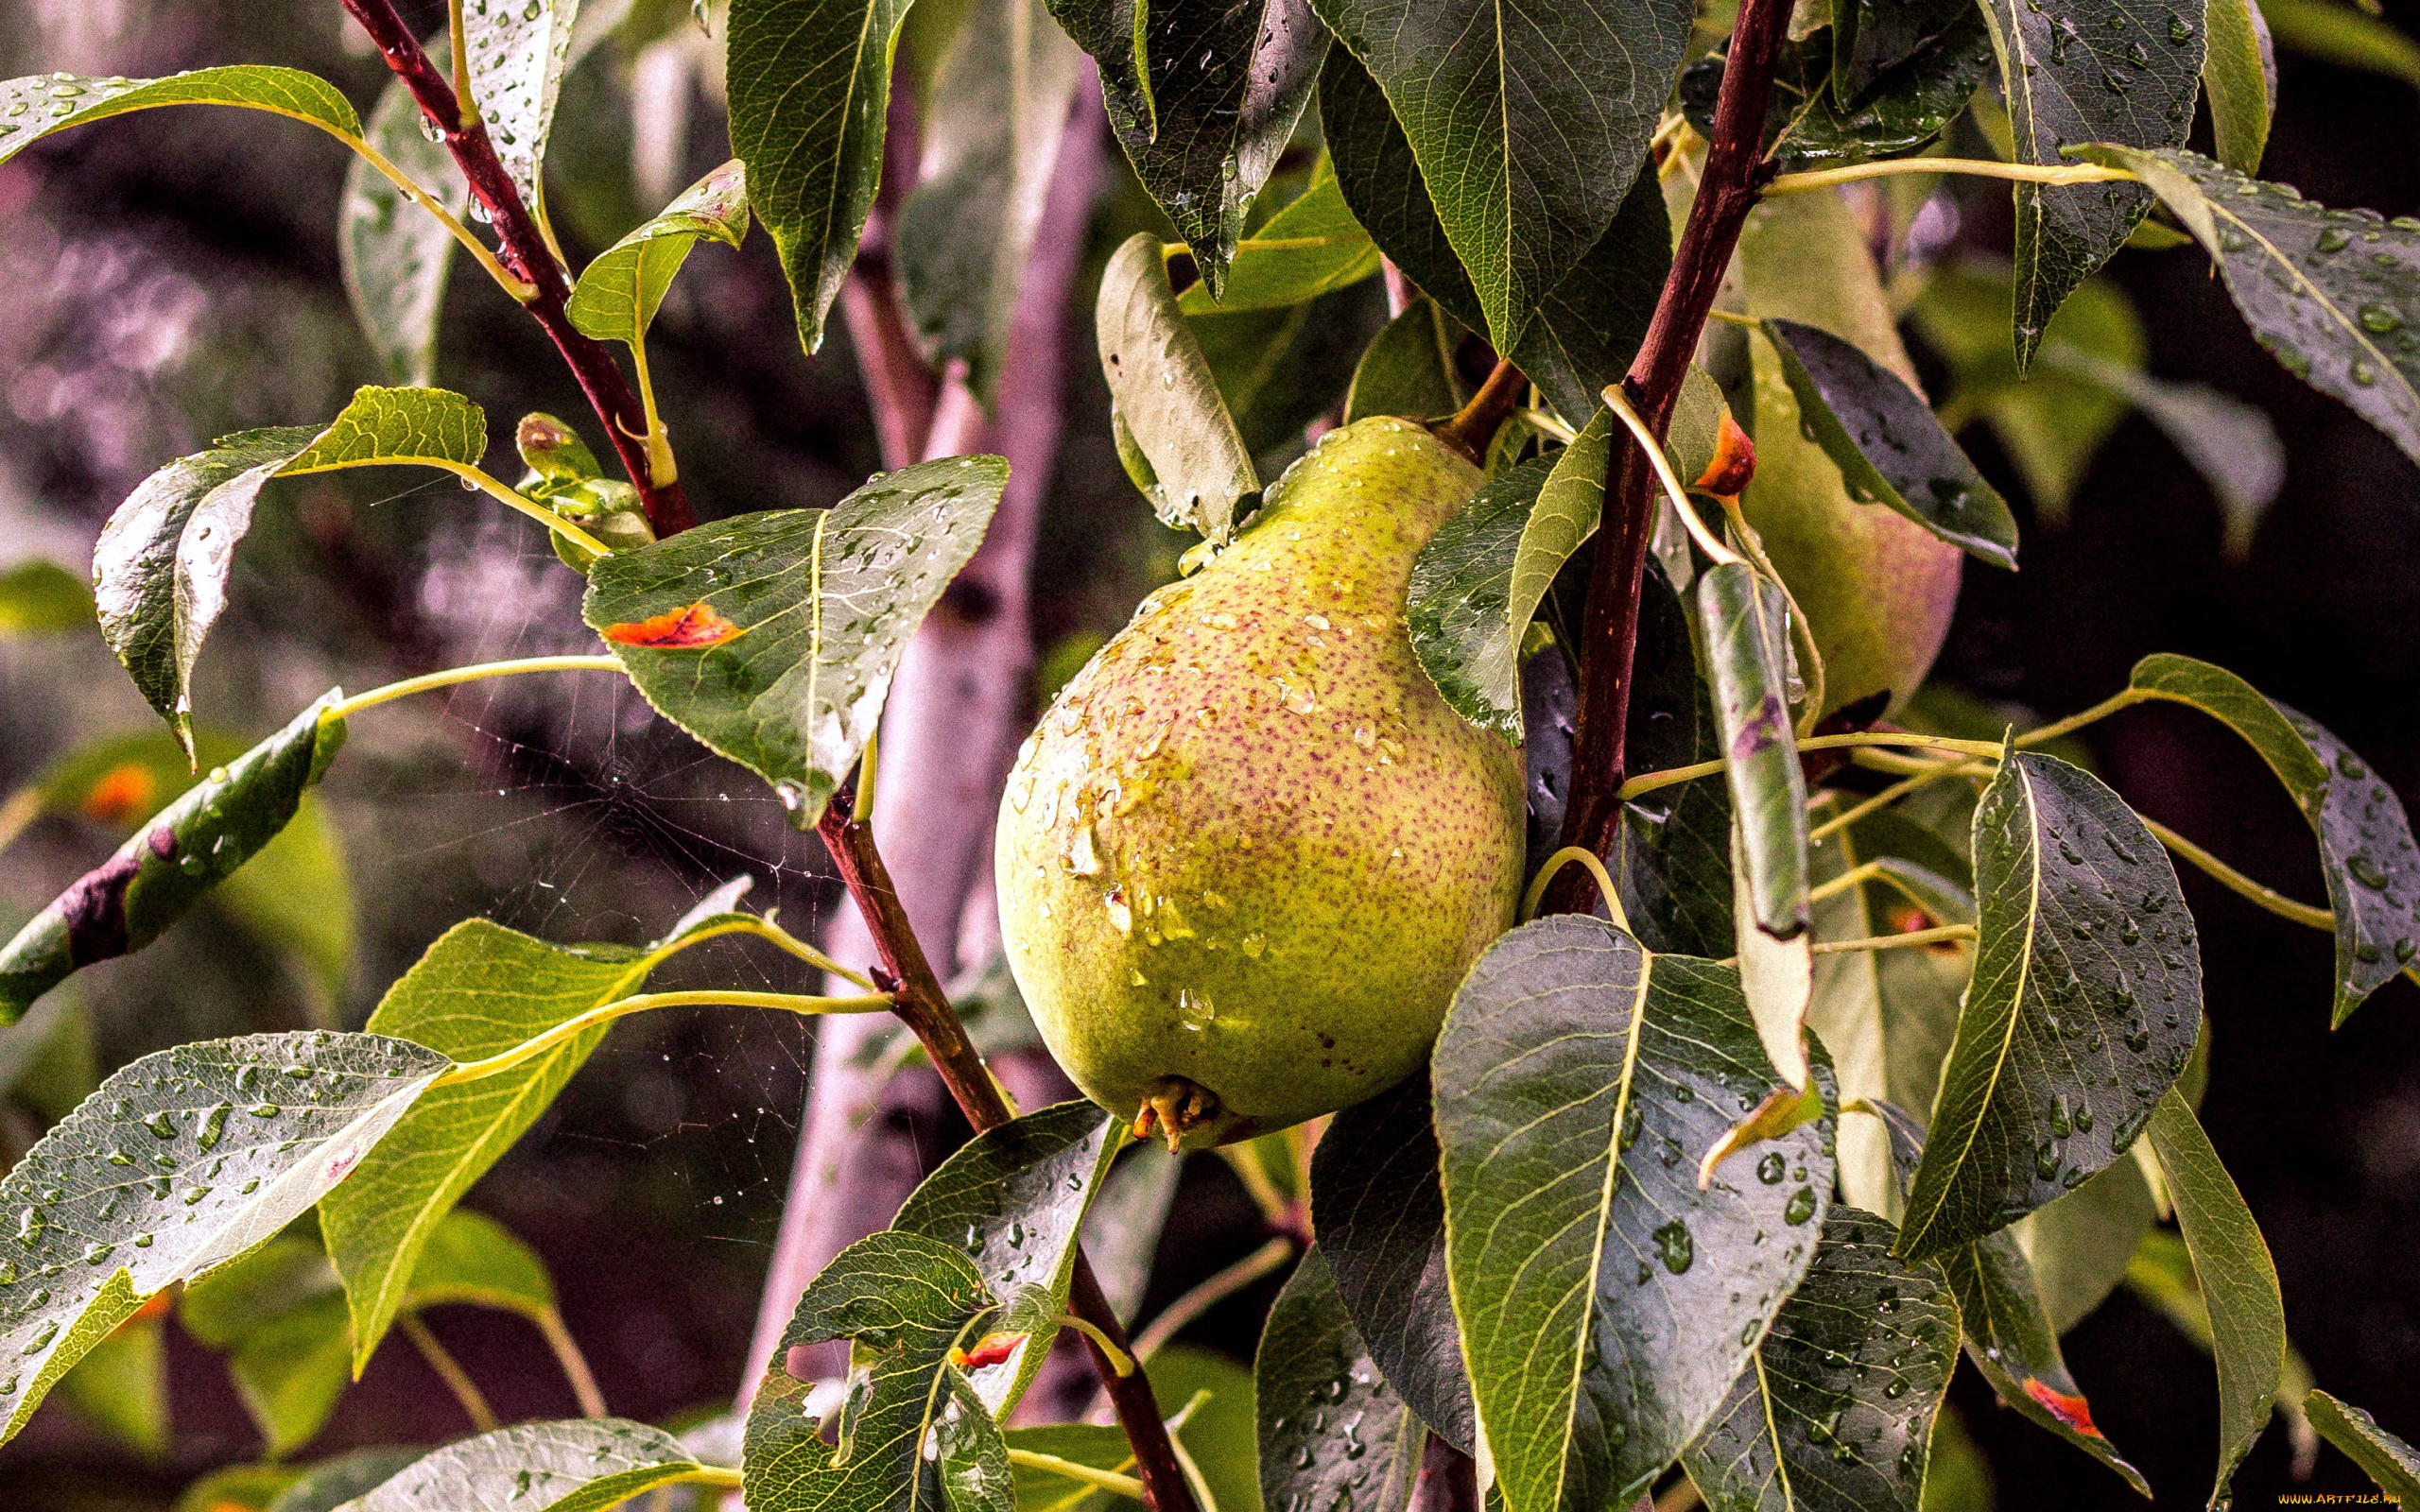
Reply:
x=1248, y=854
x=1875, y=587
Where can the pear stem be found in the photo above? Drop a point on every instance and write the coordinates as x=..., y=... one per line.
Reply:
x=1735, y=174
x=1476, y=423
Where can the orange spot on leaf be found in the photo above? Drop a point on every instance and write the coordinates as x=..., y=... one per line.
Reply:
x=1907, y=918
x=2073, y=1411
x=1734, y=464
x=991, y=1349
x=690, y=627
x=121, y=795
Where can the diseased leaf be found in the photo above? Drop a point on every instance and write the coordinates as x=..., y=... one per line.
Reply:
x=1834, y=1414
x=1888, y=444
x=1408, y=370
x=1529, y=124
x=913, y=1434
x=2085, y=1002
x=809, y=85
x=1203, y=96
x=1013, y=1198
x=991, y=128
x=2239, y=76
x=1380, y=1213
x=618, y=294
x=1459, y=606
x=1743, y=620
x=811, y=609
x=187, y=849
x=2101, y=71
x=1578, y=1079
x=580, y=1466
x=2239, y=1282
x=36, y=106
x=2365, y=844
x=1164, y=393
x=518, y=51
x=1332, y=1432
x=2393, y=1463
x=183, y=1160
x=395, y=256
x=331, y=1483
x=1312, y=246
x=39, y=598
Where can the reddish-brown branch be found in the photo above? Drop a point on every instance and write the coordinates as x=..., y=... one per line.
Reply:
x=523, y=250
x=924, y=1008
x=1735, y=174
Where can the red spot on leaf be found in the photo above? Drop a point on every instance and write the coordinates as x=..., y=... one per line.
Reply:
x=2073, y=1411
x=1734, y=464
x=991, y=1349
x=690, y=627
x=121, y=795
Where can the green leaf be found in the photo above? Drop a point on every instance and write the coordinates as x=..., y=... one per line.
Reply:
x=1571, y=503
x=772, y=637
x=1808, y=126
x=2332, y=294
x=1279, y=370
x=121, y=1387
x=2103, y=71
x=1777, y=975
x=35, y=107
x=2383, y=1457
x=157, y=876
x=581, y=1466
x=1588, y=322
x=331, y=1483
x=1333, y=1433
x=2344, y=35
x=1122, y=1230
x=1572, y=1058
x=1529, y=125
x=905, y=1302
x=479, y=991
x=2239, y=1282
x=239, y=1488
x=1888, y=444
x=1835, y=1412
x=282, y=1275
x=161, y=567
x=1221, y=1425
x=809, y=86
x=519, y=51
x=1013, y=1200
x=1204, y=97
x=2365, y=846
x=1102, y=1447
x=2009, y=1336
x=2080, y=1245
x=1458, y=609
x=993, y=124
x=470, y=1258
x=39, y=598
x=2085, y=1002
x=1310, y=247
x=292, y=1371
x=1868, y=41
x=2239, y=75
x=1408, y=370
x=221, y=1143
x=1164, y=395
x=1380, y=1213
x=1743, y=619
x=395, y=256
x=618, y=294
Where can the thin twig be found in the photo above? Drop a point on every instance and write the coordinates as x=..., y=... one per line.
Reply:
x=1177, y=1315
x=574, y=1362
x=2237, y=883
x=449, y=1370
x=526, y=254
x=1735, y=173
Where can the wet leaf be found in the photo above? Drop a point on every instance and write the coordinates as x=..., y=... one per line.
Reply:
x=395, y=256
x=618, y=294
x=2098, y=71
x=2085, y=1002
x=2393, y=1463
x=1835, y=1412
x=36, y=106
x=1870, y=41
x=1310, y=247
x=1013, y=1198
x=186, y=849
x=2365, y=846
x=1459, y=606
x=1167, y=396
x=518, y=52
x=1888, y=444
x=824, y=602
x=1818, y=119
x=905, y=1302
x=1333, y=1433
x=809, y=86
x=1380, y=1213
x=1607, y=1303
x=39, y=598
x=1204, y=97
x=181, y=1162
x=1408, y=370
x=1744, y=621
x=581, y=1466
x=993, y=124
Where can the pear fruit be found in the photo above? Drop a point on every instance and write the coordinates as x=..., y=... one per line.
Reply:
x=1877, y=588
x=1249, y=852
